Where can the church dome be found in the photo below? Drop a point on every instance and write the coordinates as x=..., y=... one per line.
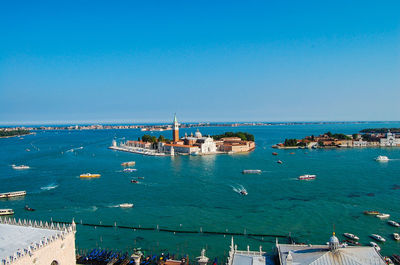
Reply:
x=333, y=242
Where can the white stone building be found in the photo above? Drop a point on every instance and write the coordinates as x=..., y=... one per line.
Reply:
x=360, y=143
x=25, y=242
x=390, y=140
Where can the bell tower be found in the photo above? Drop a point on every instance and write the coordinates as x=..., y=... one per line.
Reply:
x=175, y=130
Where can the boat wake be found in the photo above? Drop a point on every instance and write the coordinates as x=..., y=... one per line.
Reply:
x=74, y=149
x=49, y=187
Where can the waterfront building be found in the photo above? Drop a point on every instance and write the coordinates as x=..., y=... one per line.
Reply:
x=30, y=242
x=139, y=144
x=360, y=143
x=248, y=257
x=235, y=145
x=331, y=253
x=390, y=140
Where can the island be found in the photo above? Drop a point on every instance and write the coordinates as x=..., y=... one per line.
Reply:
x=376, y=137
x=193, y=144
x=9, y=132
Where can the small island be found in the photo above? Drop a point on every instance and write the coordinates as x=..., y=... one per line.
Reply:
x=6, y=133
x=377, y=137
x=193, y=144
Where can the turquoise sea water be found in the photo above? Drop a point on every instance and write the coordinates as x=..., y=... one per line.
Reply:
x=193, y=192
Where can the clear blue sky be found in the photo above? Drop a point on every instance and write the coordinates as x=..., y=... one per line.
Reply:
x=142, y=61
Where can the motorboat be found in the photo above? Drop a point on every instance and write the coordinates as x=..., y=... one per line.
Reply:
x=383, y=215
x=275, y=153
x=29, y=208
x=382, y=158
x=128, y=169
x=279, y=162
x=140, y=177
x=393, y=223
x=89, y=175
x=352, y=242
x=251, y=171
x=243, y=192
x=6, y=212
x=351, y=236
x=376, y=246
x=396, y=236
x=371, y=212
x=126, y=205
x=134, y=181
x=129, y=163
x=307, y=177
x=12, y=194
x=378, y=237
x=20, y=167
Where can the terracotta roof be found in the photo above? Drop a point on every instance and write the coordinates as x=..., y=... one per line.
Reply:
x=181, y=145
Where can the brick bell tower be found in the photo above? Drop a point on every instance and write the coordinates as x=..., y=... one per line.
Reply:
x=175, y=130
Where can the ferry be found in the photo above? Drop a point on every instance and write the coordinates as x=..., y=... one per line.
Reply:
x=251, y=171
x=128, y=169
x=383, y=215
x=382, y=158
x=89, y=175
x=393, y=223
x=307, y=177
x=126, y=205
x=371, y=212
x=20, y=167
x=129, y=163
x=376, y=246
x=378, y=237
x=351, y=236
x=12, y=194
x=6, y=212
x=396, y=236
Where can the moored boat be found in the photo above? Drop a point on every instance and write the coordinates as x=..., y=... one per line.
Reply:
x=251, y=171
x=393, y=223
x=351, y=236
x=89, y=175
x=378, y=237
x=383, y=215
x=376, y=246
x=126, y=205
x=20, y=167
x=6, y=212
x=396, y=236
x=352, y=242
x=12, y=194
x=307, y=177
x=371, y=212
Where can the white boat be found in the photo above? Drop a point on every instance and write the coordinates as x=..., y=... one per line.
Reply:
x=393, y=223
x=383, y=215
x=126, y=205
x=378, y=237
x=130, y=169
x=376, y=246
x=307, y=177
x=20, y=167
x=244, y=192
x=12, y=194
x=6, y=212
x=351, y=236
x=382, y=158
x=396, y=236
x=251, y=171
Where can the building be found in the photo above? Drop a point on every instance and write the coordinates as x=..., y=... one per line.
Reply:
x=235, y=145
x=248, y=257
x=390, y=140
x=139, y=144
x=37, y=243
x=332, y=253
x=175, y=130
x=360, y=143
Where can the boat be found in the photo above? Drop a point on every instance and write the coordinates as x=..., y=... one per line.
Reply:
x=126, y=205
x=396, y=258
x=383, y=215
x=243, y=192
x=382, y=158
x=351, y=236
x=29, y=208
x=140, y=177
x=371, y=212
x=251, y=171
x=128, y=169
x=393, y=223
x=134, y=181
x=129, y=163
x=376, y=246
x=89, y=175
x=388, y=260
x=378, y=237
x=279, y=162
x=6, y=212
x=396, y=236
x=352, y=242
x=274, y=153
x=20, y=167
x=292, y=153
x=12, y=194
x=307, y=177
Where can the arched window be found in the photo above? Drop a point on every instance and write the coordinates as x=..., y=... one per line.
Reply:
x=54, y=262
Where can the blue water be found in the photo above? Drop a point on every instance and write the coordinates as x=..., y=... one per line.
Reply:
x=193, y=192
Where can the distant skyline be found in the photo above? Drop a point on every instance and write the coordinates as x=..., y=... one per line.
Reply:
x=134, y=61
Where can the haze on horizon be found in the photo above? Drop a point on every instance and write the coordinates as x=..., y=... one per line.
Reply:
x=135, y=61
